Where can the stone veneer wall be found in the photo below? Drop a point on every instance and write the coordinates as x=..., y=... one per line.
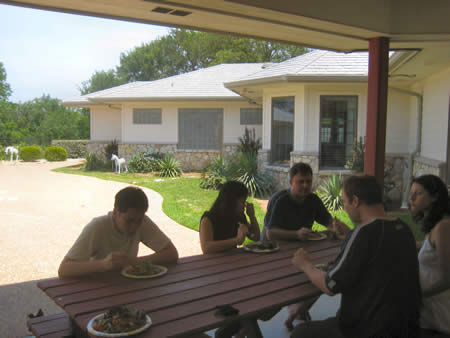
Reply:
x=191, y=160
x=395, y=166
x=423, y=165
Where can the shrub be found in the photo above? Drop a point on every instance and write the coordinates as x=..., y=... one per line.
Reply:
x=215, y=174
x=111, y=148
x=74, y=148
x=248, y=142
x=169, y=166
x=55, y=153
x=357, y=162
x=93, y=162
x=144, y=162
x=330, y=193
x=30, y=153
x=244, y=168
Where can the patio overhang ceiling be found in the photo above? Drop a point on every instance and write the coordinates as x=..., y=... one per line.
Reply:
x=326, y=24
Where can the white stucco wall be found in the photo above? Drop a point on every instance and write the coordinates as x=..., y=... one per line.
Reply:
x=436, y=91
x=105, y=124
x=167, y=131
x=307, y=114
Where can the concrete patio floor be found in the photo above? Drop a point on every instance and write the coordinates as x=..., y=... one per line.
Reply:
x=43, y=212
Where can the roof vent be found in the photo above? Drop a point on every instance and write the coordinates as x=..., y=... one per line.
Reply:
x=162, y=10
x=266, y=65
x=180, y=13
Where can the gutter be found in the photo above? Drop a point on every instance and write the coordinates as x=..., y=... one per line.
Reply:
x=409, y=172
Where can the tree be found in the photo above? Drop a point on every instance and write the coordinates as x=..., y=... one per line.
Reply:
x=183, y=51
x=5, y=89
x=99, y=81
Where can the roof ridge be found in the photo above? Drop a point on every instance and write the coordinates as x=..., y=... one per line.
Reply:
x=321, y=54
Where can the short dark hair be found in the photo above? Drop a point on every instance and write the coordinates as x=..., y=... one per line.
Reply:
x=439, y=207
x=131, y=198
x=365, y=187
x=300, y=168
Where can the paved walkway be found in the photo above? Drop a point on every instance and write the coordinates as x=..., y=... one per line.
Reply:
x=42, y=213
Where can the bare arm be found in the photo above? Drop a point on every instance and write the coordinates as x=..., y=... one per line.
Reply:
x=288, y=235
x=254, y=232
x=70, y=268
x=168, y=255
x=302, y=261
x=442, y=244
x=209, y=245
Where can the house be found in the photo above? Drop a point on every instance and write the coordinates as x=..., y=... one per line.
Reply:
x=310, y=108
x=193, y=116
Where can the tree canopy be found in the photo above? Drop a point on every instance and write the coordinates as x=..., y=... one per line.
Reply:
x=183, y=51
x=5, y=89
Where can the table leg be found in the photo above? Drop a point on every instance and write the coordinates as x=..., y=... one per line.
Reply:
x=252, y=329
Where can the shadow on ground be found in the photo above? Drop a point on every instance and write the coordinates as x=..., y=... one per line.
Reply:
x=13, y=314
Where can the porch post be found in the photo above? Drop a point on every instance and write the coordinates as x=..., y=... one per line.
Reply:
x=376, y=108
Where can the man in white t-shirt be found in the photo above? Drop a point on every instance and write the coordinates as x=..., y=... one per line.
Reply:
x=111, y=241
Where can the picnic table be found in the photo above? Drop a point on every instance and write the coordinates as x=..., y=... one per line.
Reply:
x=183, y=302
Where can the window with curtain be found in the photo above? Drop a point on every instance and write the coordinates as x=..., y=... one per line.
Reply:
x=146, y=116
x=282, y=129
x=200, y=128
x=251, y=115
x=337, y=130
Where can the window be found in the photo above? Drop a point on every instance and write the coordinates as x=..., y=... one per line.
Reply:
x=282, y=129
x=337, y=130
x=251, y=116
x=200, y=128
x=146, y=116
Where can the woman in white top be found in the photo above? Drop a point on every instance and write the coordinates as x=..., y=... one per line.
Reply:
x=429, y=204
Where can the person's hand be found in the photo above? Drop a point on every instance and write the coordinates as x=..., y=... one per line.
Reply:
x=250, y=210
x=242, y=232
x=339, y=227
x=303, y=233
x=115, y=260
x=301, y=259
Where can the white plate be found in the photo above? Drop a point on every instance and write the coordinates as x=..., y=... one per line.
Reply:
x=121, y=334
x=163, y=271
x=252, y=248
x=318, y=236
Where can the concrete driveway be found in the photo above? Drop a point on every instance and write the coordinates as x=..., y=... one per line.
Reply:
x=41, y=215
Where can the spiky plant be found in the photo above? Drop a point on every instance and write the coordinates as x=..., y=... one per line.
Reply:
x=330, y=192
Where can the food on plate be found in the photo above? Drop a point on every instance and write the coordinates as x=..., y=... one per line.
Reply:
x=120, y=319
x=262, y=246
x=145, y=269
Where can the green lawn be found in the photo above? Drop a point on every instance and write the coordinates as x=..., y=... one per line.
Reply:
x=185, y=202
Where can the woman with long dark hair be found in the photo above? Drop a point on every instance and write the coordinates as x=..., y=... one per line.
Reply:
x=429, y=204
x=225, y=225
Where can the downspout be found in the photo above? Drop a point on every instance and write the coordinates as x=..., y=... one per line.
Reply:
x=409, y=173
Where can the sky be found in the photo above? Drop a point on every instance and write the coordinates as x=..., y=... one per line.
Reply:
x=50, y=53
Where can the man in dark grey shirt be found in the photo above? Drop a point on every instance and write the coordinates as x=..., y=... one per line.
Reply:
x=292, y=212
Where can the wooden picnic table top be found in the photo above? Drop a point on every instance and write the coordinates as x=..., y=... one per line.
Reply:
x=182, y=302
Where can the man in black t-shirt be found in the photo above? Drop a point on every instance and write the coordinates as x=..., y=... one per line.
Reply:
x=292, y=212
x=376, y=272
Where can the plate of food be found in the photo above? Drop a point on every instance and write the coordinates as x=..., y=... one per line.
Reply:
x=144, y=270
x=316, y=236
x=262, y=246
x=120, y=321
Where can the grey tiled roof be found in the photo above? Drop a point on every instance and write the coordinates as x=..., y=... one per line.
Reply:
x=205, y=83
x=318, y=62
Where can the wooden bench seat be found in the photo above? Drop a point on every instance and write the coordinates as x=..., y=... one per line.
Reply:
x=51, y=326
